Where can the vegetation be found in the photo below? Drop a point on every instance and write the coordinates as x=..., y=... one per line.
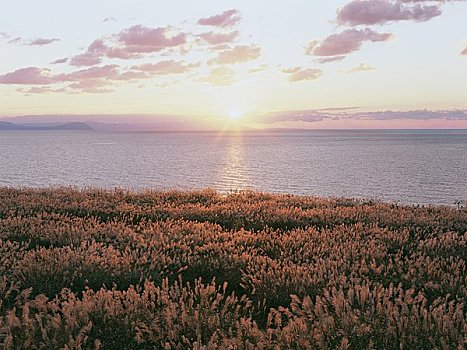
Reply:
x=97, y=269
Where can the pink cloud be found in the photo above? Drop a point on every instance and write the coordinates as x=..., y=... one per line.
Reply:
x=27, y=76
x=92, y=83
x=92, y=56
x=139, y=39
x=219, y=38
x=346, y=114
x=330, y=59
x=369, y=12
x=238, y=54
x=130, y=43
x=225, y=19
x=164, y=67
x=464, y=52
x=106, y=72
x=345, y=42
x=42, y=41
x=40, y=90
x=299, y=73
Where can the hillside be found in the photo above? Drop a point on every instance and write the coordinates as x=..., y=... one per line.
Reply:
x=114, y=269
x=57, y=126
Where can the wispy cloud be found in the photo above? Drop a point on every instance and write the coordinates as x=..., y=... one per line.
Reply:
x=60, y=61
x=317, y=115
x=238, y=54
x=164, y=67
x=362, y=67
x=330, y=59
x=299, y=73
x=219, y=76
x=40, y=90
x=32, y=42
x=42, y=41
x=338, y=45
x=225, y=19
x=219, y=38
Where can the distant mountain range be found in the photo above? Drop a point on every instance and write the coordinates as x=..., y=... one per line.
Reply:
x=117, y=123
x=39, y=126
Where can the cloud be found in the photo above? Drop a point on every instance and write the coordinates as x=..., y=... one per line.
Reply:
x=219, y=76
x=109, y=71
x=109, y=19
x=238, y=54
x=340, y=44
x=27, y=76
x=130, y=43
x=40, y=90
x=299, y=73
x=258, y=69
x=42, y=41
x=294, y=116
x=4, y=35
x=139, y=39
x=225, y=19
x=416, y=115
x=164, y=67
x=362, y=67
x=330, y=59
x=92, y=85
x=369, y=12
x=219, y=38
x=32, y=42
x=220, y=47
x=316, y=115
x=60, y=61
x=16, y=40
x=464, y=52
x=92, y=56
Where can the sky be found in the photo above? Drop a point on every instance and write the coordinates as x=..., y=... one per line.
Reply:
x=262, y=64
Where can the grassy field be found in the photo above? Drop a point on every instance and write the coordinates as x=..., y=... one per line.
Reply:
x=98, y=269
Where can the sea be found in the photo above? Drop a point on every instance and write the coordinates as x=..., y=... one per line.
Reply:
x=416, y=167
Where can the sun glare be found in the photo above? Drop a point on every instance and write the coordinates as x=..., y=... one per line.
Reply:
x=234, y=114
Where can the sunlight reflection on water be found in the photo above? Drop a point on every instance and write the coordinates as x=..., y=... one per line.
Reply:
x=403, y=166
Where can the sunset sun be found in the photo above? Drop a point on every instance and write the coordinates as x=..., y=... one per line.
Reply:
x=234, y=114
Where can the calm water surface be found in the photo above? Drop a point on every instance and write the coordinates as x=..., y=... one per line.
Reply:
x=413, y=167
